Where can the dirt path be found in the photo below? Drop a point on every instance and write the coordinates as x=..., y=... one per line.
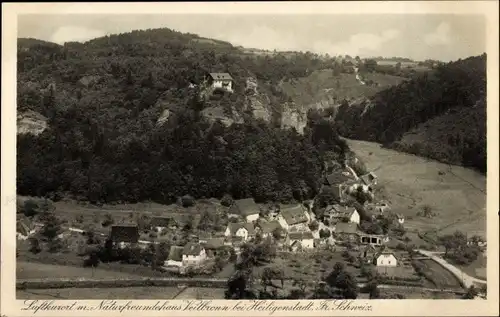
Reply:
x=466, y=279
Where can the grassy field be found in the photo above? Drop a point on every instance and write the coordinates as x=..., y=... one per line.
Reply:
x=477, y=268
x=201, y=293
x=455, y=194
x=101, y=293
x=441, y=277
x=29, y=270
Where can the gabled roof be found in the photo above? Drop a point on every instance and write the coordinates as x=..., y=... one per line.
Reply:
x=368, y=178
x=293, y=214
x=125, y=233
x=269, y=226
x=337, y=211
x=220, y=76
x=23, y=228
x=214, y=243
x=345, y=227
x=336, y=178
x=192, y=249
x=301, y=235
x=175, y=253
x=234, y=227
x=244, y=207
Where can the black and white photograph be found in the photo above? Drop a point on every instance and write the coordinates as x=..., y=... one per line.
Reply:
x=205, y=156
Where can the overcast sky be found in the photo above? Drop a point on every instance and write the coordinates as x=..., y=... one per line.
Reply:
x=442, y=37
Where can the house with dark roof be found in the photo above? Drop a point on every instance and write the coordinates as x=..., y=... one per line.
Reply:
x=174, y=256
x=293, y=216
x=163, y=222
x=24, y=229
x=337, y=213
x=338, y=178
x=193, y=254
x=214, y=245
x=301, y=239
x=267, y=228
x=347, y=231
x=245, y=230
x=222, y=81
x=124, y=235
x=246, y=208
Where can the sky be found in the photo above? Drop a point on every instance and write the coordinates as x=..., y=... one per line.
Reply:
x=416, y=36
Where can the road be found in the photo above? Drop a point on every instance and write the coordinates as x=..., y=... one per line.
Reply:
x=466, y=280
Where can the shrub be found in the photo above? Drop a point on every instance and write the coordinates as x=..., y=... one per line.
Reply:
x=187, y=201
x=35, y=245
x=108, y=220
x=226, y=201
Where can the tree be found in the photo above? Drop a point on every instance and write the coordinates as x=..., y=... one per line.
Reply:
x=314, y=225
x=324, y=233
x=372, y=289
x=35, y=245
x=471, y=293
x=51, y=227
x=341, y=283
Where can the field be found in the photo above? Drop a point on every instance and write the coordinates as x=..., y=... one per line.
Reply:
x=441, y=277
x=101, y=293
x=455, y=194
x=477, y=268
x=201, y=293
x=28, y=270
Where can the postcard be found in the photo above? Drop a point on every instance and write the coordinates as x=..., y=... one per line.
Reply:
x=250, y=158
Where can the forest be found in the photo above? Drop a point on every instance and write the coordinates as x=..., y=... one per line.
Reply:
x=449, y=103
x=103, y=143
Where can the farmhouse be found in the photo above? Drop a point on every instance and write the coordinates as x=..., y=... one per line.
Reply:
x=337, y=213
x=222, y=81
x=24, y=229
x=337, y=178
x=124, y=235
x=193, y=254
x=385, y=258
x=347, y=231
x=244, y=230
x=267, y=228
x=246, y=208
x=162, y=223
x=301, y=240
x=214, y=245
x=293, y=216
x=174, y=256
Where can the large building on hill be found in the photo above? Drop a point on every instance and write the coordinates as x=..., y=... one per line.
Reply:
x=222, y=81
x=246, y=208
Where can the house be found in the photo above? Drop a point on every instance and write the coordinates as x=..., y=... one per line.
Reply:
x=124, y=235
x=401, y=218
x=214, y=245
x=347, y=231
x=161, y=223
x=369, y=179
x=222, y=81
x=337, y=213
x=337, y=178
x=293, y=216
x=246, y=208
x=380, y=207
x=301, y=239
x=368, y=253
x=268, y=228
x=174, y=256
x=24, y=229
x=386, y=258
x=244, y=230
x=193, y=254
x=374, y=239
x=203, y=237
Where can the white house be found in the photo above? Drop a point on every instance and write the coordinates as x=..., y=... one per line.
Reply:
x=246, y=208
x=337, y=213
x=386, y=259
x=174, y=256
x=221, y=81
x=293, y=216
x=193, y=254
x=243, y=230
x=305, y=238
